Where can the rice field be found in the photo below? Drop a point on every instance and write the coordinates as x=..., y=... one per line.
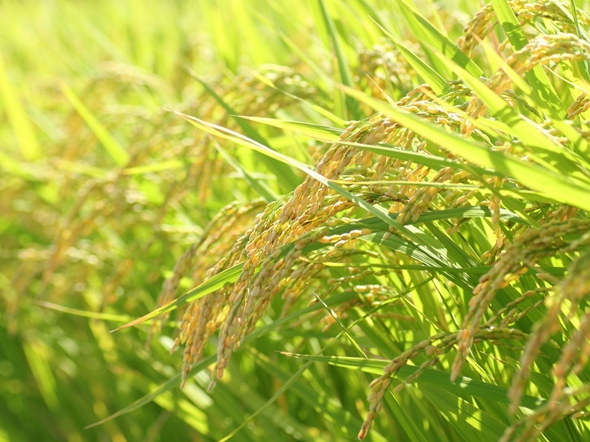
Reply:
x=294, y=221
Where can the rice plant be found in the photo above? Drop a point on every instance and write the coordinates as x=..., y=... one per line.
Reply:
x=375, y=229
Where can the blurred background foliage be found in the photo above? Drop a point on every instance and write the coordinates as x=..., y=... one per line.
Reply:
x=103, y=188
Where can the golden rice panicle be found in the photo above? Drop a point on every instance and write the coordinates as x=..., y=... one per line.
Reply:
x=170, y=287
x=382, y=68
x=296, y=221
x=580, y=105
x=421, y=199
x=379, y=386
x=572, y=359
x=542, y=50
x=204, y=316
x=574, y=287
x=228, y=224
x=255, y=93
x=372, y=295
x=564, y=401
x=527, y=12
x=527, y=248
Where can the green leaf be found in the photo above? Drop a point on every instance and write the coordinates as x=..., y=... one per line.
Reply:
x=316, y=131
x=542, y=87
x=84, y=313
x=174, y=381
x=319, y=109
x=111, y=145
x=258, y=186
x=163, y=388
x=557, y=187
x=434, y=80
x=228, y=276
x=284, y=174
x=431, y=377
x=17, y=116
x=314, y=397
x=429, y=35
x=382, y=222
x=345, y=76
x=544, y=151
